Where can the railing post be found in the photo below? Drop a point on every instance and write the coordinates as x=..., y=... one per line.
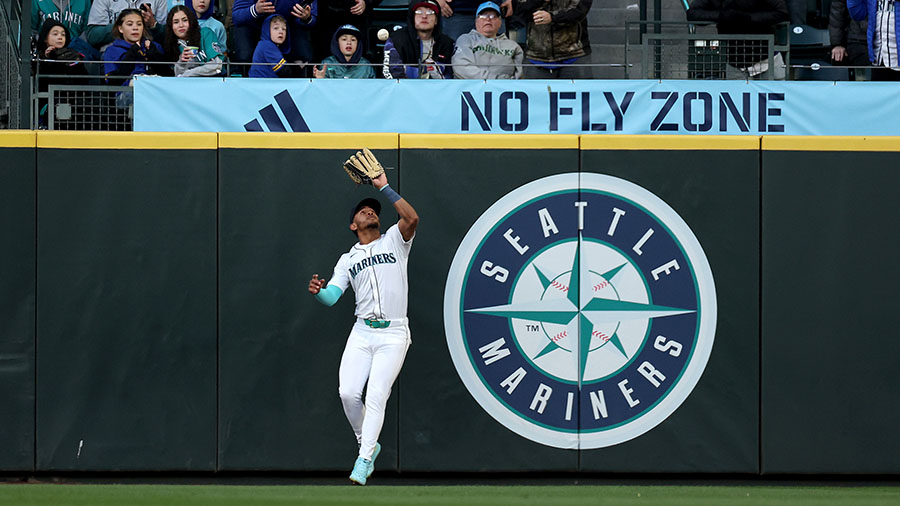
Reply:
x=25, y=63
x=657, y=15
x=643, y=13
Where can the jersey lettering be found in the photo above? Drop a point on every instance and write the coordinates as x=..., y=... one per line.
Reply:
x=365, y=263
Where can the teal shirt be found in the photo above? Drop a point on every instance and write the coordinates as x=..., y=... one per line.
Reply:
x=359, y=71
x=219, y=30
x=209, y=45
x=74, y=18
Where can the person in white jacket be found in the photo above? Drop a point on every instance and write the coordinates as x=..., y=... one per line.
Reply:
x=482, y=53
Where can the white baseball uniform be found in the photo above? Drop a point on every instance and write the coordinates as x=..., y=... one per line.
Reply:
x=377, y=273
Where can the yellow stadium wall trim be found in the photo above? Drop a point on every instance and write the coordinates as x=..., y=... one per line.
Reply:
x=127, y=140
x=269, y=140
x=17, y=138
x=830, y=143
x=488, y=141
x=669, y=142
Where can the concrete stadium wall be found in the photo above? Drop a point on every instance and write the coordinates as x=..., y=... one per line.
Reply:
x=154, y=313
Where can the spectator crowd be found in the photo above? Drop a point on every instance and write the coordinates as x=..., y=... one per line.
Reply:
x=441, y=39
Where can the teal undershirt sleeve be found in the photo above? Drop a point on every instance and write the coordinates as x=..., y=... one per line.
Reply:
x=329, y=295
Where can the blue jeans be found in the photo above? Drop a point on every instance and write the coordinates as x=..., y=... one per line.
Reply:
x=562, y=72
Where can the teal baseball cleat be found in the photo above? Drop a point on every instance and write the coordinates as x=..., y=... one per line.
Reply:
x=374, y=456
x=360, y=471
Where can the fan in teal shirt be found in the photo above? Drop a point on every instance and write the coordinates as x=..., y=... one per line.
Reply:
x=346, y=59
x=73, y=14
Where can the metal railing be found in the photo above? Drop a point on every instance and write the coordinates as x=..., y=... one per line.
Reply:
x=85, y=107
x=691, y=50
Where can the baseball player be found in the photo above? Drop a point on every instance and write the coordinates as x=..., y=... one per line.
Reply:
x=376, y=269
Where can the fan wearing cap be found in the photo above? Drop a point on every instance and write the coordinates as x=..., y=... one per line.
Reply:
x=421, y=50
x=376, y=269
x=346, y=60
x=483, y=54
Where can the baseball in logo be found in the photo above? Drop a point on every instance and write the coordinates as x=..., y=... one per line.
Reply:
x=580, y=311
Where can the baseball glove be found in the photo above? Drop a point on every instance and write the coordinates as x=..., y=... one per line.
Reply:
x=363, y=167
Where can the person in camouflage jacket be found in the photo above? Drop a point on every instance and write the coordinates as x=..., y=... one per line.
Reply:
x=557, y=37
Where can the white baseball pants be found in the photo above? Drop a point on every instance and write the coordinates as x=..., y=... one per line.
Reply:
x=375, y=355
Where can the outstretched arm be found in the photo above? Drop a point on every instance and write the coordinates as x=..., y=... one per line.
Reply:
x=327, y=295
x=409, y=220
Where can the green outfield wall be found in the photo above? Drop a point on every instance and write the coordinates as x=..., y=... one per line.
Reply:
x=154, y=313
x=17, y=283
x=126, y=286
x=829, y=329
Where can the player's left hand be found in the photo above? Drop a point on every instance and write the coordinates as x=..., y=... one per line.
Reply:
x=379, y=181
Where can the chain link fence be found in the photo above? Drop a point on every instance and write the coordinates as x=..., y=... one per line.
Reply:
x=680, y=50
x=78, y=107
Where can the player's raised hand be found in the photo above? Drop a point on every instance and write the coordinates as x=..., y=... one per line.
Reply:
x=315, y=284
x=379, y=181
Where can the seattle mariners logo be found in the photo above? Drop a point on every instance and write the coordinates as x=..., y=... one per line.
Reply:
x=580, y=311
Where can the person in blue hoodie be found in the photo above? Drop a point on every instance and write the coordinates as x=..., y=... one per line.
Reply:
x=881, y=34
x=132, y=52
x=274, y=45
x=346, y=60
x=247, y=15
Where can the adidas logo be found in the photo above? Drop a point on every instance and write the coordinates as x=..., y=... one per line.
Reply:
x=273, y=122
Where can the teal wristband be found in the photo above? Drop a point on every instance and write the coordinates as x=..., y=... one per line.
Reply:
x=390, y=194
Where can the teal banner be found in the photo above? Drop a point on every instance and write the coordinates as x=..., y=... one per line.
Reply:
x=530, y=107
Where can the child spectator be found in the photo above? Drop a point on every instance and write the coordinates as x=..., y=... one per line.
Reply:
x=132, y=50
x=194, y=48
x=300, y=15
x=274, y=44
x=204, y=9
x=52, y=44
x=346, y=60
x=334, y=14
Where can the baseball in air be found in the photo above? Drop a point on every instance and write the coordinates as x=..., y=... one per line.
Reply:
x=383, y=34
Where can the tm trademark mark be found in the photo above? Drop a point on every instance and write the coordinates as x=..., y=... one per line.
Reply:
x=532, y=328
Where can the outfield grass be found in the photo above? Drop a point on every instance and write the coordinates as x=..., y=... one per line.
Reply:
x=514, y=495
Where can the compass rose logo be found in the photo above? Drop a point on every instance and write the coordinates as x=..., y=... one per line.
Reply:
x=580, y=311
